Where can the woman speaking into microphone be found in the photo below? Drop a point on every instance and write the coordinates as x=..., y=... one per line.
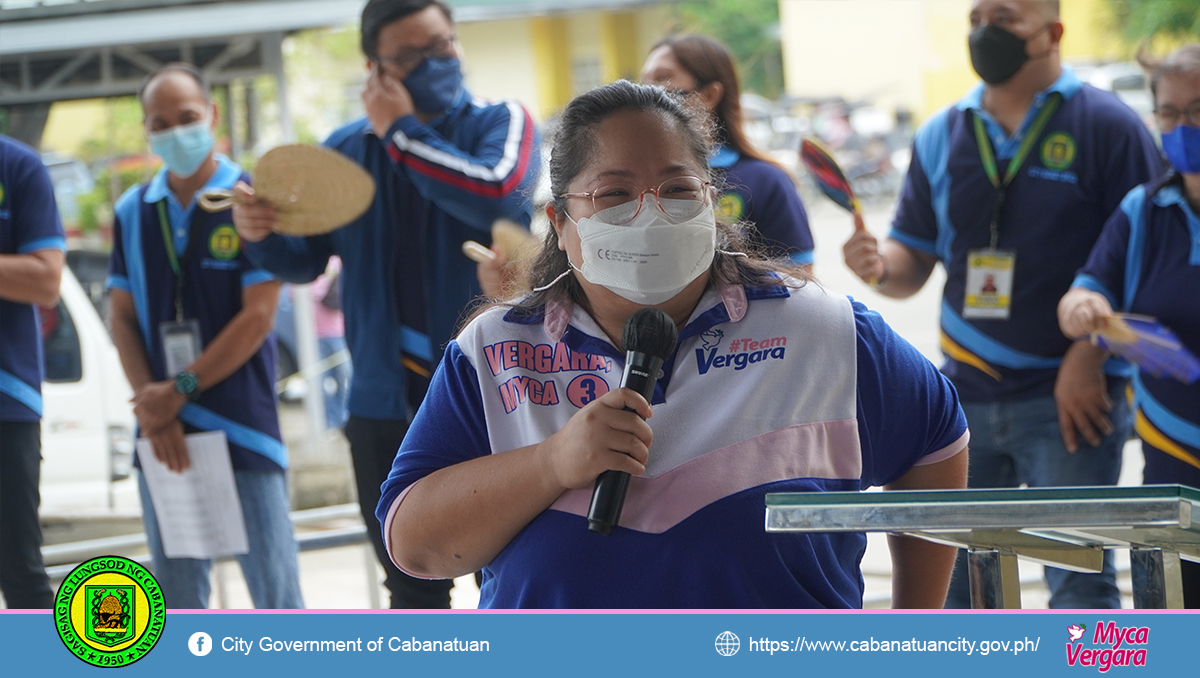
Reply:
x=775, y=385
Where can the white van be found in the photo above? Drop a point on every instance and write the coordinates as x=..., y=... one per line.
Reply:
x=87, y=420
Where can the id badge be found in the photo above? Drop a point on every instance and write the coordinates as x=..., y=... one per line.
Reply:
x=989, y=283
x=181, y=344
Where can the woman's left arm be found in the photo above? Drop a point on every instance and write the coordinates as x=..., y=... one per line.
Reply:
x=921, y=569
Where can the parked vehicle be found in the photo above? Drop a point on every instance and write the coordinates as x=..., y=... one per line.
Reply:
x=87, y=420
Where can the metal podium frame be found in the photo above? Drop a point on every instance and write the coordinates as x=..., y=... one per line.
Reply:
x=1063, y=527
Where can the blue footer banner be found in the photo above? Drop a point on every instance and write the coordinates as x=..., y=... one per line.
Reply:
x=110, y=629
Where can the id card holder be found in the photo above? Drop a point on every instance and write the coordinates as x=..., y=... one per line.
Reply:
x=181, y=344
x=989, y=283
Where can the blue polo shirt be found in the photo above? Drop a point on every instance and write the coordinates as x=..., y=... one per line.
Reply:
x=1093, y=150
x=764, y=196
x=28, y=223
x=1147, y=261
x=215, y=273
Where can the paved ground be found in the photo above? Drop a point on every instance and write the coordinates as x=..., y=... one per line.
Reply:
x=343, y=578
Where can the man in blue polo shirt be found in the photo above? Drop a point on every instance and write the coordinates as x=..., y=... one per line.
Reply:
x=192, y=321
x=446, y=166
x=1009, y=189
x=31, y=261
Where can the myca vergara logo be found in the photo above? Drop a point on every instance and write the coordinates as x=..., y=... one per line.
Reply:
x=110, y=611
x=742, y=352
x=1111, y=646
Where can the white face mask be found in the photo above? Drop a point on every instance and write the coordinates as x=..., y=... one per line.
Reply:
x=649, y=259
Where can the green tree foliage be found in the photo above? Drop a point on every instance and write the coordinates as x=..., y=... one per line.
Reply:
x=1139, y=20
x=751, y=30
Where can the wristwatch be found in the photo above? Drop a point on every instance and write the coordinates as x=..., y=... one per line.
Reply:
x=188, y=385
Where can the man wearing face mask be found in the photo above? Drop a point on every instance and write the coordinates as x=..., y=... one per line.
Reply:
x=446, y=167
x=191, y=320
x=1013, y=184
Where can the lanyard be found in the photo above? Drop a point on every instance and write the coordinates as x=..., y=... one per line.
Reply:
x=988, y=157
x=169, y=243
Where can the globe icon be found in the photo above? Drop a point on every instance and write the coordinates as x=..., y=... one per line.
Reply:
x=728, y=644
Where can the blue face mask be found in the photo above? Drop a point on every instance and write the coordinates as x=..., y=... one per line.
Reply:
x=1182, y=146
x=183, y=148
x=434, y=84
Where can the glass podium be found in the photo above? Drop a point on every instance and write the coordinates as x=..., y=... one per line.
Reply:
x=1063, y=527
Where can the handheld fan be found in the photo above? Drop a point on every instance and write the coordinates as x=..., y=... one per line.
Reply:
x=1144, y=342
x=828, y=175
x=314, y=190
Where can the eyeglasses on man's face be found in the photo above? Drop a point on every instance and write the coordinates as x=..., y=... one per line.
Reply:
x=407, y=60
x=1169, y=117
x=680, y=199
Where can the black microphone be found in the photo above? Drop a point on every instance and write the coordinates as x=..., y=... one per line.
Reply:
x=649, y=338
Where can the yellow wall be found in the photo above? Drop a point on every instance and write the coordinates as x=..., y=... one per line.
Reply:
x=499, y=60
x=1089, y=33
x=910, y=52
x=71, y=123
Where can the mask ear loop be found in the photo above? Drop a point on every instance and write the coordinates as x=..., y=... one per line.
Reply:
x=562, y=275
x=550, y=284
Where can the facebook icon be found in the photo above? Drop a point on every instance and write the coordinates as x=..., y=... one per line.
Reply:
x=200, y=643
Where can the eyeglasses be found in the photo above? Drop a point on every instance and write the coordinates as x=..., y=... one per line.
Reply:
x=1169, y=116
x=680, y=199
x=408, y=60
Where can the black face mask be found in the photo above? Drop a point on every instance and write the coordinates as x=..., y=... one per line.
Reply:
x=996, y=54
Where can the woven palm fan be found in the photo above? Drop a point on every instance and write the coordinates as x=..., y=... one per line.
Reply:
x=1144, y=342
x=515, y=242
x=314, y=190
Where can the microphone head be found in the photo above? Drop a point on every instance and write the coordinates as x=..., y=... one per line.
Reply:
x=650, y=331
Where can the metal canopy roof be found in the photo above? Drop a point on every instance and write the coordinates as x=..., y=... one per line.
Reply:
x=171, y=24
x=55, y=50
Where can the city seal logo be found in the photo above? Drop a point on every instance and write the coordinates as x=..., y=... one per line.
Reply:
x=110, y=611
x=224, y=243
x=1058, y=151
x=730, y=208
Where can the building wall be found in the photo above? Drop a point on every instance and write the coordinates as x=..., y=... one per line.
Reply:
x=909, y=52
x=499, y=60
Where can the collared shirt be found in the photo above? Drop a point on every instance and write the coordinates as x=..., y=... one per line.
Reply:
x=1093, y=150
x=28, y=223
x=437, y=185
x=764, y=196
x=216, y=272
x=768, y=390
x=1147, y=262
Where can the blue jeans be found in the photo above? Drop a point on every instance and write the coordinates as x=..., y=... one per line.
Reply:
x=271, y=569
x=335, y=382
x=1019, y=442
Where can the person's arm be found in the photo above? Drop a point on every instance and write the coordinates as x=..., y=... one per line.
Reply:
x=914, y=437
x=1081, y=388
x=921, y=569
x=902, y=265
x=1081, y=394
x=157, y=404
x=457, y=519
x=491, y=180
x=167, y=440
x=1082, y=311
x=32, y=275
x=32, y=278
x=895, y=269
